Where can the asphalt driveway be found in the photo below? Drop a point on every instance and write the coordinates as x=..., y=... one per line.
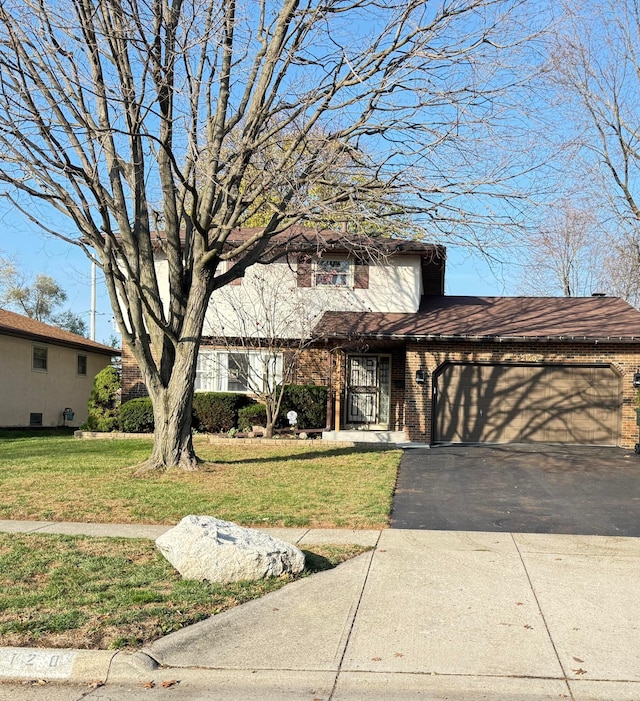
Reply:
x=532, y=488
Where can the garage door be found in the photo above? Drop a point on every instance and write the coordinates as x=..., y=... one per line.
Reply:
x=485, y=403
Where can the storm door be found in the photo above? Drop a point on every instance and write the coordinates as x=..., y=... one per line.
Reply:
x=368, y=388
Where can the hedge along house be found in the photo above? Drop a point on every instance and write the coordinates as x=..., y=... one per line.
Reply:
x=405, y=362
x=45, y=370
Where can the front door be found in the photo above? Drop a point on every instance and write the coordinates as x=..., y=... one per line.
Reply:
x=368, y=388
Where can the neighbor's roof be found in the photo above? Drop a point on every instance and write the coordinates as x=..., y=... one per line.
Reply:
x=12, y=324
x=594, y=319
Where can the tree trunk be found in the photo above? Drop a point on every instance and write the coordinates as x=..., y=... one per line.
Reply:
x=172, y=439
x=172, y=398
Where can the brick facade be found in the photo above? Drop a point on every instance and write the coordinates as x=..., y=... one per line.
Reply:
x=132, y=383
x=411, y=404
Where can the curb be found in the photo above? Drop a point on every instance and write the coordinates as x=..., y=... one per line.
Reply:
x=74, y=666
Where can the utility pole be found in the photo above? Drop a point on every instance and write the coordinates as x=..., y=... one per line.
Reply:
x=93, y=301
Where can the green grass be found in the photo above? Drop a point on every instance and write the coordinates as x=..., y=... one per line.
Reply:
x=57, y=477
x=101, y=593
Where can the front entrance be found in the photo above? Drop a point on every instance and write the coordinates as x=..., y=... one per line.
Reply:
x=368, y=390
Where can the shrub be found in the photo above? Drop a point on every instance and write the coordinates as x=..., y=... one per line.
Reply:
x=308, y=401
x=252, y=415
x=136, y=416
x=217, y=412
x=104, y=400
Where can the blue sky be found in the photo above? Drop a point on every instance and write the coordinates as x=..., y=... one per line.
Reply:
x=35, y=252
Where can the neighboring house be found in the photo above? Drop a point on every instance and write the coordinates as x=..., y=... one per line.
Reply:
x=45, y=370
x=405, y=362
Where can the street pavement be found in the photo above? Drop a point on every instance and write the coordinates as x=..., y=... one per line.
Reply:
x=428, y=615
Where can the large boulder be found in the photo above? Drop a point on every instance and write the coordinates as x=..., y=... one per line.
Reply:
x=203, y=547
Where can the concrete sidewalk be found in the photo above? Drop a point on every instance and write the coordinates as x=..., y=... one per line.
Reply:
x=426, y=615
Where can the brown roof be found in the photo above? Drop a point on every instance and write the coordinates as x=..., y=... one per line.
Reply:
x=302, y=238
x=305, y=239
x=13, y=324
x=507, y=318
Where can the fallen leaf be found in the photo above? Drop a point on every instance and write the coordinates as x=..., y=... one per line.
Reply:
x=399, y=654
x=577, y=659
x=377, y=659
x=149, y=685
x=519, y=603
x=579, y=671
x=528, y=627
x=173, y=682
x=96, y=684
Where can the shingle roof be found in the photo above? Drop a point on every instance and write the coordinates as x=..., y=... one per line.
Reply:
x=300, y=239
x=13, y=324
x=482, y=318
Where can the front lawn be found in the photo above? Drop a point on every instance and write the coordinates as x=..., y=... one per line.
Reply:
x=313, y=485
x=100, y=593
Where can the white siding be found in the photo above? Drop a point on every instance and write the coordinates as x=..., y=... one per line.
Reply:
x=268, y=302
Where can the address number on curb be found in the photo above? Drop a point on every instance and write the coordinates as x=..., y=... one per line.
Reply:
x=48, y=664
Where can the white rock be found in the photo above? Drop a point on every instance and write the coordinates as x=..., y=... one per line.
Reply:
x=203, y=547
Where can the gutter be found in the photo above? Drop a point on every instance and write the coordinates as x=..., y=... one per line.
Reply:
x=478, y=338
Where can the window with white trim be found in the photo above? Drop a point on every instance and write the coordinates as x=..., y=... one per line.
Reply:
x=332, y=272
x=249, y=372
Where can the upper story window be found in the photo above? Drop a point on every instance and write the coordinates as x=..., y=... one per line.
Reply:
x=82, y=365
x=332, y=272
x=40, y=358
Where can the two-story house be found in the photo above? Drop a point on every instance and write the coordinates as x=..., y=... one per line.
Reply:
x=405, y=362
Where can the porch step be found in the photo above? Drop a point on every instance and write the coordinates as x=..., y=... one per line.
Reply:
x=365, y=436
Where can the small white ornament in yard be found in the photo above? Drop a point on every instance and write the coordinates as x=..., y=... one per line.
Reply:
x=207, y=548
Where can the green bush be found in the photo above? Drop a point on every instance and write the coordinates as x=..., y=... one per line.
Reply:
x=104, y=400
x=217, y=412
x=308, y=401
x=136, y=416
x=252, y=415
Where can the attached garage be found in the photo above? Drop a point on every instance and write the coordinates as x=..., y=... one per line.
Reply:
x=505, y=369
x=501, y=403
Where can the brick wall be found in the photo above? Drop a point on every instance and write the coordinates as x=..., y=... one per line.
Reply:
x=313, y=367
x=625, y=359
x=132, y=384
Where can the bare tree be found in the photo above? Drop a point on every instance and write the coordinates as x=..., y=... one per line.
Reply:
x=264, y=326
x=162, y=126
x=596, y=65
x=564, y=254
